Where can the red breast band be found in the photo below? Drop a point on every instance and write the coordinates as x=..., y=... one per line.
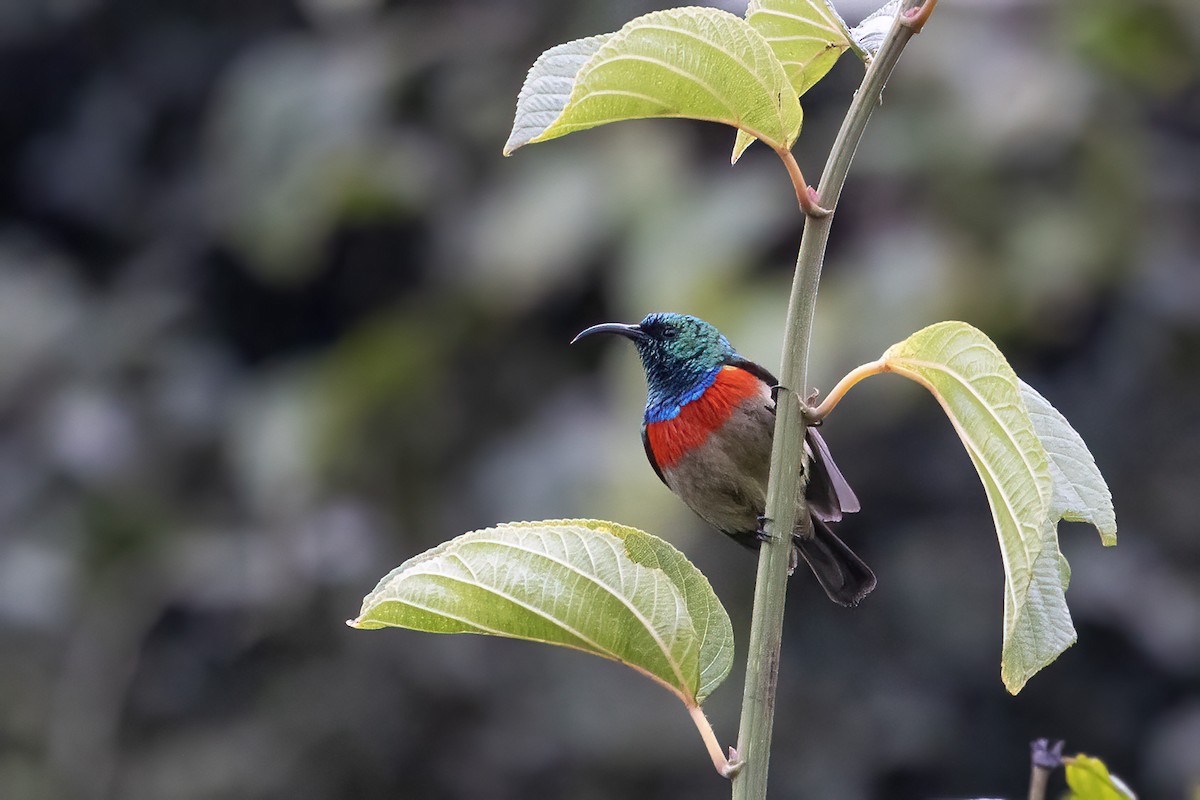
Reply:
x=670, y=440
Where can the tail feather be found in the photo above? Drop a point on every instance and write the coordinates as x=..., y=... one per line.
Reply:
x=843, y=575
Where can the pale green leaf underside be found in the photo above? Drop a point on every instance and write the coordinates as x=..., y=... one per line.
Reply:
x=868, y=35
x=699, y=63
x=807, y=36
x=1090, y=779
x=1080, y=492
x=548, y=87
x=595, y=586
x=979, y=391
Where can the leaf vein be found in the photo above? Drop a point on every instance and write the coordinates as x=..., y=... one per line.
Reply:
x=637, y=614
x=528, y=607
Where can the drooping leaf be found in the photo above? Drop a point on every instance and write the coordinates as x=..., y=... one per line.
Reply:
x=979, y=392
x=1090, y=779
x=595, y=586
x=807, y=36
x=700, y=63
x=1080, y=492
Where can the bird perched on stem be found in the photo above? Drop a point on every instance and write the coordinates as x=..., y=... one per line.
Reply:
x=710, y=418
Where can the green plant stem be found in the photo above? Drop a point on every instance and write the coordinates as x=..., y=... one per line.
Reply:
x=787, y=454
x=1039, y=778
x=1044, y=757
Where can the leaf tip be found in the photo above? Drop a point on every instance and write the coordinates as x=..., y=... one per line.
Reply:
x=515, y=142
x=743, y=141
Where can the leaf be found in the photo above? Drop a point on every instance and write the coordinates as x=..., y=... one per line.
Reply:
x=807, y=36
x=594, y=586
x=979, y=392
x=869, y=34
x=548, y=87
x=1035, y=470
x=700, y=63
x=1089, y=779
x=1080, y=492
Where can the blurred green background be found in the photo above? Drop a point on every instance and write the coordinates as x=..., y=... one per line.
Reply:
x=275, y=315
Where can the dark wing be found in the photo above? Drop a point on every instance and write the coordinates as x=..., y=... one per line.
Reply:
x=757, y=370
x=829, y=495
x=650, y=455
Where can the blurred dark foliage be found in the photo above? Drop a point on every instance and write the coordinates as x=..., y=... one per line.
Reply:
x=275, y=315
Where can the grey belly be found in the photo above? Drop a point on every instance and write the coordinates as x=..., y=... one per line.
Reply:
x=724, y=480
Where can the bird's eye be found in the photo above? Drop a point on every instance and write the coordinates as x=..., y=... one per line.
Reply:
x=669, y=333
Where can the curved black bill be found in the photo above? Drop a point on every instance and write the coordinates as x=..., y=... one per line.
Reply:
x=628, y=331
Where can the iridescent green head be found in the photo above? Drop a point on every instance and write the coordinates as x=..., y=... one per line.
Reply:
x=680, y=354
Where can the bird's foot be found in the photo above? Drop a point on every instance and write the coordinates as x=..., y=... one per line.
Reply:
x=762, y=534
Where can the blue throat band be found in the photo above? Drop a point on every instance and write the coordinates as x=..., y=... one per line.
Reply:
x=664, y=405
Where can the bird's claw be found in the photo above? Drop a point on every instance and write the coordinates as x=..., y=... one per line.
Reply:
x=762, y=534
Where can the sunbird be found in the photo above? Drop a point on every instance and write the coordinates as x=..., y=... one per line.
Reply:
x=707, y=430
